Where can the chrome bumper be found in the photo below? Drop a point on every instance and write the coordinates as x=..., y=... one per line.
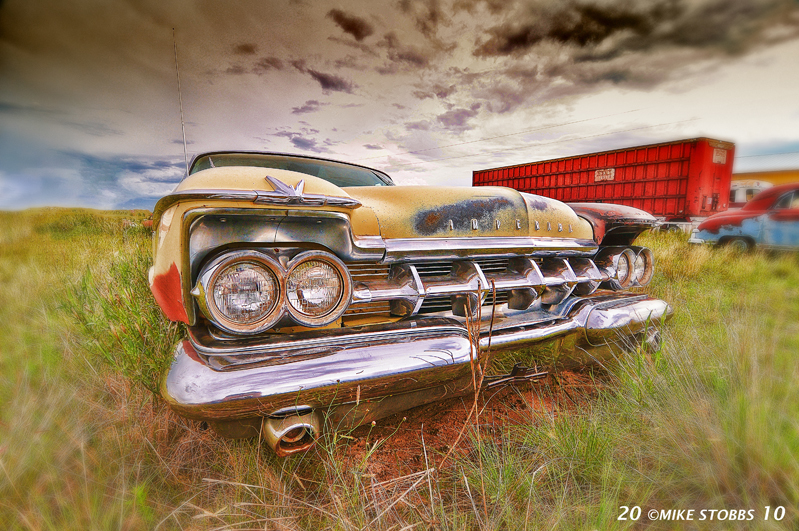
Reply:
x=694, y=239
x=360, y=375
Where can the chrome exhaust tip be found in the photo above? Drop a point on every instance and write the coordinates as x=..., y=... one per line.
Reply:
x=293, y=431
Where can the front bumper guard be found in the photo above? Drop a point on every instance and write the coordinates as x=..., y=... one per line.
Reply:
x=360, y=375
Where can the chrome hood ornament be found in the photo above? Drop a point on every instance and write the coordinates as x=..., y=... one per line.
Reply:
x=284, y=194
x=286, y=189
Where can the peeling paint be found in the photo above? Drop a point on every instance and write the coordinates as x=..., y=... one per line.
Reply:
x=166, y=289
x=485, y=211
x=614, y=224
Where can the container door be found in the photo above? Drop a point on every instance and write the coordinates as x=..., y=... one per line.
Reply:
x=722, y=154
x=709, y=178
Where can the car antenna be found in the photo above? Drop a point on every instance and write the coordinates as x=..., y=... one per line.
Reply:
x=180, y=100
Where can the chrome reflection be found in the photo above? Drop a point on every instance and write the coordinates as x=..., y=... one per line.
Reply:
x=291, y=433
x=380, y=372
x=318, y=288
x=242, y=269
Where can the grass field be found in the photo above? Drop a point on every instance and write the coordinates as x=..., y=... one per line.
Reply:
x=707, y=423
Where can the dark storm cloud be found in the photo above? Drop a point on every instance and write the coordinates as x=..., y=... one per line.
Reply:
x=458, y=118
x=307, y=107
x=569, y=23
x=372, y=146
x=632, y=43
x=245, y=49
x=328, y=82
x=401, y=56
x=356, y=26
x=613, y=27
x=437, y=90
x=427, y=15
x=350, y=62
x=302, y=140
x=331, y=82
x=264, y=64
x=236, y=70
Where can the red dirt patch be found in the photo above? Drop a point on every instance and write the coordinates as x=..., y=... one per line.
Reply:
x=401, y=450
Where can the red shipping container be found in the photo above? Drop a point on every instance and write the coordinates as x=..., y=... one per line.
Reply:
x=673, y=180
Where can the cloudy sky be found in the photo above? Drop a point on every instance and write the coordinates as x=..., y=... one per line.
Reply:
x=426, y=90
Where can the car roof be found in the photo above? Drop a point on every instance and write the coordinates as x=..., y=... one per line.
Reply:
x=765, y=198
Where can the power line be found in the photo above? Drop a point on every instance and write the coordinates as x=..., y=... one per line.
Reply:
x=767, y=155
x=546, y=143
x=498, y=136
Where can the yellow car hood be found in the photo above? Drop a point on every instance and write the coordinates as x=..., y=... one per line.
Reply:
x=443, y=212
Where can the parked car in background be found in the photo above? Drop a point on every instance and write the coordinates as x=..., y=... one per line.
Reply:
x=316, y=292
x=769, y=220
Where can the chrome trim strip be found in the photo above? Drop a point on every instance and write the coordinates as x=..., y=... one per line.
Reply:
x=200, y=195
x=274, y=198
x=224, y=354
x=402, y=249
x=250, y=196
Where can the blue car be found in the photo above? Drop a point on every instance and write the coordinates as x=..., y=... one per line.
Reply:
x=770, y=220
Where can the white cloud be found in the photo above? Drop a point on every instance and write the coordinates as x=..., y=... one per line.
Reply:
x=152, y=182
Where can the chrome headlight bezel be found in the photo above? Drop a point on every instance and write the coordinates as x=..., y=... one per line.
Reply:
x=616, y=265
x=204, y=291
x=625, y=275
x=643, y=267
x=626, y=267
x=344, y=298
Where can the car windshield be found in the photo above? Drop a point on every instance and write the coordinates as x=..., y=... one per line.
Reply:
x=338, y=173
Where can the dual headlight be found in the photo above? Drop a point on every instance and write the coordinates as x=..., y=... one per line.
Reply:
x=627, y=267
x=249, y=291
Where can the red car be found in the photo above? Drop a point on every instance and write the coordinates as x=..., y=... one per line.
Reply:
x=769, y=220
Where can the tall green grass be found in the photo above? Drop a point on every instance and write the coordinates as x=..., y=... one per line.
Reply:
x=706, y=422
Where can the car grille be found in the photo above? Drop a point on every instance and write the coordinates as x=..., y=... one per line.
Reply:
x=443, y=286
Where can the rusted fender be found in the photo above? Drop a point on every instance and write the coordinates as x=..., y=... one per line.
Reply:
x=614, y=224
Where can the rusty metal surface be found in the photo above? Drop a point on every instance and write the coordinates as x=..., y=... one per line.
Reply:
x=447, y=212
x=614, y=224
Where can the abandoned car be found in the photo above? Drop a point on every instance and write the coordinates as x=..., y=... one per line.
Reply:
x=769, y=220
x=319, y=292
